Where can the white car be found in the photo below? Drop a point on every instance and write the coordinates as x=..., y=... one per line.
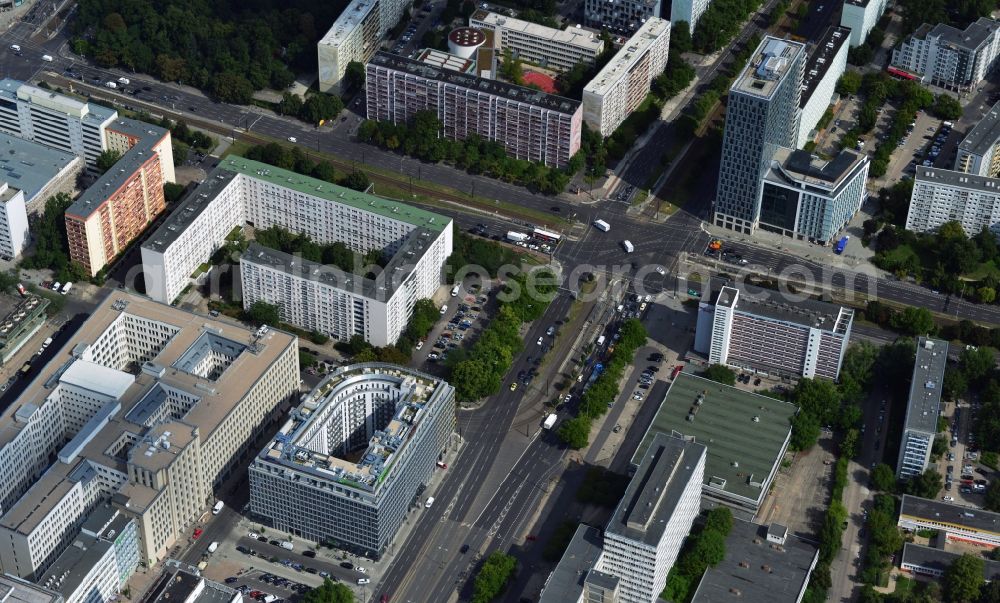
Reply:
x=420, y=344
x=660, y=270
x=444, y=309
x=253, y=535
x=361, y=569
x=292, y=139
x=363, y=581
x=539, y=341
x=948, y=498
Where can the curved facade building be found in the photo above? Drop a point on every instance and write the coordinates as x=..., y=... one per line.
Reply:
x=465, y=41
x=353, y=457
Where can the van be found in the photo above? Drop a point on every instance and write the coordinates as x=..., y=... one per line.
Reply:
x=287, y=545
x=15, y=48
x=218, y=507
x=47, y=58
x=454, y=290
x=430, y=501
x=213, y=547
x=111, y=85
x=124, y=81
x=363, y=581
x=946, y=124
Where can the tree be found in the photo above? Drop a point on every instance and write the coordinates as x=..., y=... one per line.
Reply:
x=963, y=579
x=320, y=106
x=354, y=76
x=719, y=519
x=291, y=104
x=805, y=430
x=992, y=501
x=492, y=577
x=356, y=180
x=107, y=159
x=849, y=83
x=232, y=87
x=329, y=593
x=575, y=432
x=987, y=295
x=680, y=37
x=947, y=107
x=925, y=485
x=263, y=313
x=720, y=374
x=883, y=478
x=51, y=246
x=977, y=363
x=914, y=321
x=306, y=360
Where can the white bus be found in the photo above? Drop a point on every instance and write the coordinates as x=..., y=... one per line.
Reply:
x=547, y=236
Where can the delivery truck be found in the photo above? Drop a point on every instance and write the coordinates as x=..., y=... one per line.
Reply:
x=550, y=421
x=516, y=237
x=602, y=225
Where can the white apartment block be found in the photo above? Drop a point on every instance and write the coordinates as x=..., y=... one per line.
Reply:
x=923, y=407
x=559, y=50
x=146, y=407
x=688, y=10
x=948, y=57
x=244, y=192
x=621, y=17
x=861, y=16
x=13, y=221
x=979, y=153
x=825, y=66
x=54, y=120
x=620, y=87
x=941, y=196
x=645, y=534
x=355, y=36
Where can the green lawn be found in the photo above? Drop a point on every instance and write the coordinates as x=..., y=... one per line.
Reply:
x=984, y=270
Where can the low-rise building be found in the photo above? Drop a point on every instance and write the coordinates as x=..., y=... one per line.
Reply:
x=824, y=67
x=559, y=50
x=956, y=522
x=941, y=196
x=355, y=36
x=17, y=590
x=923, y=408
x=621, y=86
x=932, y=562
x=978, y=153
x=39, y=171
x=861, y=17
x=942, y=55
x=349, y=462
x=530, y=124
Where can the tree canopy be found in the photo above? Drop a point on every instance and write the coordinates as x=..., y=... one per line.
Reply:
x=263, y=313
x=329, y=592
x=963, y=579
x=492, y=577
x=720, y=374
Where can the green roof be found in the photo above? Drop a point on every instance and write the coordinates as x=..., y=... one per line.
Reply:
x=725, y=424
x=332, y=192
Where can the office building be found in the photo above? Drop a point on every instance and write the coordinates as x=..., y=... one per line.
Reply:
x=575, y=579
x=646, y=531
x=351, y=460
x=923, y=408
x=54, y=120
x=184, y=583
x=920, y=560
x=762, y=563
x=22, y=318
x=243, y=192
x=826, y=64
x=530, y=124
x=959, y=523
x=688, y=10
x=812, y=199
x=621, y=17
x=861, y=16
x=941, y=196
x=147, y=407
x=978, y=153
x=126, y=199
x=757, y=330
x=13, y=222
x=355, y=36
x=37, y=170
x=558, y=50
x=762, y=114
x=620, y=87
x=942, y=55
x=746, y=435
x=17, y=590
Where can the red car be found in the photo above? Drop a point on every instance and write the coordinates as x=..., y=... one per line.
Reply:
x=197, y=533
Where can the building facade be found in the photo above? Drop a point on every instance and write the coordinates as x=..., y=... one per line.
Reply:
x=948, y=57
x=24, y=318
x=531, y=125
x=355, y=36
x=762, y=115
x=397, y=421
x=621, y=86
x=861, y=16
x=126, y=199
x=941, y=196
x=979, y=153
x=753, y=329
x=645, y=534
x=13, y=222
x=957, y=522
x=555, y=49
x=688, y=10
x=812, y=199
x=826, y=64
x=620, y=16
x=923, y=408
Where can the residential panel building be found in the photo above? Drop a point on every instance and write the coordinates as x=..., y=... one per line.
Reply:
x=531, y=124
x=948, y=57
x=309, y=480
x=813, y=199
x=620, y=87
x=13, y=222
x=688, y=10
x=558, y=50
x=623, y=17
x=826, y=64
x=575, y=578
x=762, y=114
x=755, y=329
x=923, y=407
x=979, y=153
x=941, y=196
x=355, y=36
x=861, y=17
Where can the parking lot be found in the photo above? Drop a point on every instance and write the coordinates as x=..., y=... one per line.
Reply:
x=965, y=479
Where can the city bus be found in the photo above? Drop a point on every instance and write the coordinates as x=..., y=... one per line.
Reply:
x=546, y=236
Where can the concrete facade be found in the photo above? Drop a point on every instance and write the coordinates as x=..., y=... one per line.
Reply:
x=826, y=64
x=861, y=16
x=948, y=57
x=355, y=36
x=941, y=196
x=555, y=49
x=923, y=408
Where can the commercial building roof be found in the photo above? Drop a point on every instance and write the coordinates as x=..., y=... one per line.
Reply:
x=570, y=36
x=804, y=167
x=940, y=512
x=182, y=583
x=937, y=561
x=924, y=405
x=666, y=469
x=30, y=166
x=16, y=590
x=974, y=36
x=981, y=138
x=740, y=449
x=820, y=60
x=98, y=378
x=634, y=49
x=932, y=175
x=767, y=67
x=512, y=92
x=445, y=60
x=776, y=306
x=566, y=581
x=755, y=569
x=92, y=113
x=68, y=572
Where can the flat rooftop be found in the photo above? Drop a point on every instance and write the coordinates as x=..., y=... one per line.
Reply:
x=738, y=447
x=72, y=567
x=756, y=569
x=180, y=583
x=16, y=590
x=938, y=176
x=570, y=36
x=802, y=166
x=566, y=581
x=444, y=60
x=348, y=20
x=16, y=310
x=634, y=50
x=974, y=36
x=772, y=304
x=91, y=113
x=914, y=508
x=652, y=496
x=924, y=405
x=818, y=63
x=767, y=67
x=30, y=166
x=521, y=94
x=984, y=135
x=939, y=560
